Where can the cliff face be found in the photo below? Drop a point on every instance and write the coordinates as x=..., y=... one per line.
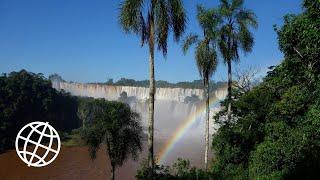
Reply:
x=140, y=93
x=113, y=92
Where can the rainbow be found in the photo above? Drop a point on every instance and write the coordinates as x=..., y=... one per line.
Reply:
x=182, y=129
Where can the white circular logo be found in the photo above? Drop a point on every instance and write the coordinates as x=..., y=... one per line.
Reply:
x=38, y=144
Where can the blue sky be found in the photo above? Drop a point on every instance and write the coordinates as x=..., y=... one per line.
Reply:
x=82, y=41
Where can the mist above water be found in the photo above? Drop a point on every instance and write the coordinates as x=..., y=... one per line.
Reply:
x=173, y=106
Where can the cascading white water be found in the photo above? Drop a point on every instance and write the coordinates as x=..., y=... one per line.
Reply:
x=113, y=92
x=171, y=109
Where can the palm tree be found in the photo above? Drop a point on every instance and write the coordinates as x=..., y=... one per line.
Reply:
x=152, y=20
x=116, y=126
x=235, y=35
x=206, y=58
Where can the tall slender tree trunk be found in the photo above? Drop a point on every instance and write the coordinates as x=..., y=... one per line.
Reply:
x=113, y=171
x=229, y=89
x=207, y=123
x=151, y=97
x=113, y=168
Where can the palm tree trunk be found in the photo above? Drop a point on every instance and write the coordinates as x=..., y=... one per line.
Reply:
x=229, y=89
x=151, y=97
x=113, y=171
x=207, y=124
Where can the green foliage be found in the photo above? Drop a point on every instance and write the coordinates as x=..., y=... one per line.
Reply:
x=299, y=40
x=116, y=126
x=179, y=170
x=205, y=52
x=235, y=25
x=289, y=152
x=26, y=97
x=87, y=110
x=153, y=20
x=159, y=172
x=205, y=57
x=274, y=133
x=206, y=60
x=72, y=139
x=234, y=35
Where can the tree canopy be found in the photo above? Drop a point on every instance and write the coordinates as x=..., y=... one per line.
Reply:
x=275, y=130
x=26, y=97
x=118, y=128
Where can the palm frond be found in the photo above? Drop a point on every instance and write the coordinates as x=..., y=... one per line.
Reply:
x=224, y=8
x=200, y=10
x=162, y=23
x=235, y=32
x=246, y=39
x=206, y=59
x=235, y=49
x=247, y=18
x=177, y=18
x=130, y=15
x=209, y=20
x=189, y=40
x=202, y=16
x=94, y=137
x=224, y=43
x=224, y=3
x=236, y=4
x=144, y=33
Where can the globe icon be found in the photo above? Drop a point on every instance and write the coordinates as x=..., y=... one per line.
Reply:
x=38, y=144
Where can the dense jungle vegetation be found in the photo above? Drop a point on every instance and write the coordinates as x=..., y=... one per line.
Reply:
x=275, y=129
x=26, y=97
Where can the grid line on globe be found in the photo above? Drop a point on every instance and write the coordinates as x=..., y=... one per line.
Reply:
x=41, y=160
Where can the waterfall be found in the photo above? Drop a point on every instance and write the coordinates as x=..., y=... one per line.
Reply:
x=172, y=107
x=113, y=92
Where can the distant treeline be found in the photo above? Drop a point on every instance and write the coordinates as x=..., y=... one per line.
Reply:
x=196, y=84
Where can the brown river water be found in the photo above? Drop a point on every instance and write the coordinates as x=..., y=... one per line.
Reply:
x=75, y=163
x=71, y=163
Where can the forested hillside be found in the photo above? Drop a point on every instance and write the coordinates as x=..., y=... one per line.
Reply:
x=26, y=97
x=275, y=129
